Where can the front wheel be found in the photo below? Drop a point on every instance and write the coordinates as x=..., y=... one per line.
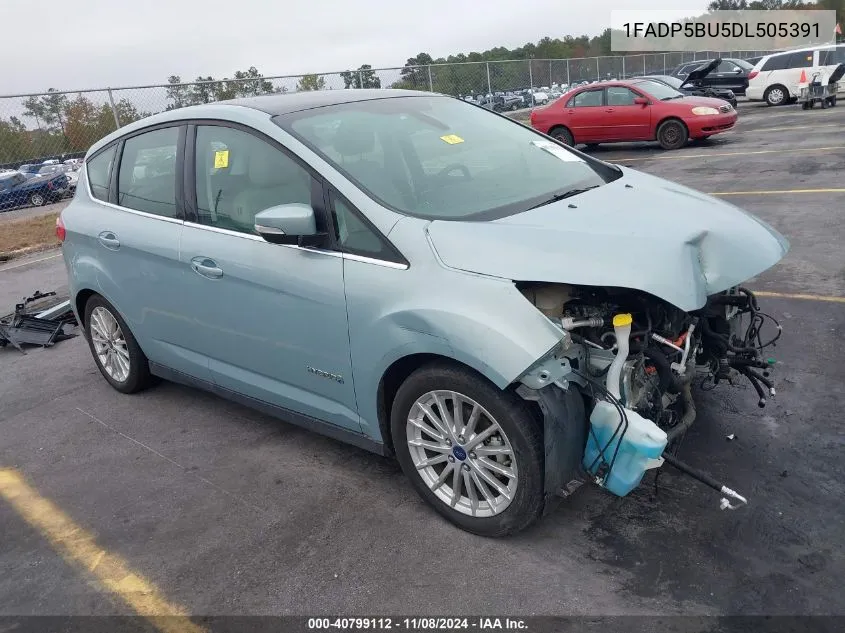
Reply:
x=472, y=451
x=37, y=200
x=672, y=134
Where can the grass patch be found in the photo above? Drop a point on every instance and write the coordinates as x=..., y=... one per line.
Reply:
x=27, y=233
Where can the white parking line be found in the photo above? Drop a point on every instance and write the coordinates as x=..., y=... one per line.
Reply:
x=32, y=261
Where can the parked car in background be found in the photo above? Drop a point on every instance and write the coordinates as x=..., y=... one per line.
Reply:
x=70, y=173
x=730, y=73
x=429, y=261
x=31, y=168
x=775, y=77
x=16, y=189
x=693, y=90
x=502, y=103
x=634, y=110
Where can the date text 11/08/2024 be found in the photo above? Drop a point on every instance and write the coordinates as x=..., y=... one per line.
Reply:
x=701, y=30
x=482, y=624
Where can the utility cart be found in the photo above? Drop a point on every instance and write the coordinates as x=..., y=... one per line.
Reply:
x=822, y=88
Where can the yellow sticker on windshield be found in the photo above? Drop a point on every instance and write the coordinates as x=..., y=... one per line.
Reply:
x=452, y=139
x=221, y=159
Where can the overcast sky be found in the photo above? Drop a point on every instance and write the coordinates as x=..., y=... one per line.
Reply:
x=96, y=43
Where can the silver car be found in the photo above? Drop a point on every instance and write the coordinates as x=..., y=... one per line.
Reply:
x=419, y=277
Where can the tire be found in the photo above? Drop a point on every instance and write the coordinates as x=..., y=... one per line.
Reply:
x=805, y=106
x=833, y=101
x=563, y=135
x=776, y=95
x=107, y=355
x=672, y=134
x=37, y=199
x=517, y=501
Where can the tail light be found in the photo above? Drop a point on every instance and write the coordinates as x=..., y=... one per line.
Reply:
x=50, y=184
x=61, y=233
x=753, y=74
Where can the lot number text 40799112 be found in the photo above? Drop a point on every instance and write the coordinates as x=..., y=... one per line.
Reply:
x=482, y=624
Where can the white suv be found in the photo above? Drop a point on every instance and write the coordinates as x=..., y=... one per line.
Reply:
x=775, y=77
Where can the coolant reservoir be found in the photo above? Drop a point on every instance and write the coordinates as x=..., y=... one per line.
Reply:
x=640, y=447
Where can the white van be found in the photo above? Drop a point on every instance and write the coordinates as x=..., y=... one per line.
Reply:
x=775, y=77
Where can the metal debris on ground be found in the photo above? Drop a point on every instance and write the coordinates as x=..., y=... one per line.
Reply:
x=730, y=437
x=37, y=322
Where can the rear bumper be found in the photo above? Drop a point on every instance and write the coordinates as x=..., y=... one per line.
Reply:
x=754, y=93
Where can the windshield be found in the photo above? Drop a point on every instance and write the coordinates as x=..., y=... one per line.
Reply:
x=658, y=90
x=441, y=158
x=668, y=79
x=743, y=64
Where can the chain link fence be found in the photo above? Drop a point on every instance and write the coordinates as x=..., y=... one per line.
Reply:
x=62, y=125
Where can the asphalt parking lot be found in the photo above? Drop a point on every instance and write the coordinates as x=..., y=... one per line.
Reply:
x=226, y=511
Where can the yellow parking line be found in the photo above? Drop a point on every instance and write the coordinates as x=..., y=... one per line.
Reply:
x=773, y=192
x=79, y=548
x=788, y=295
x=719, y=154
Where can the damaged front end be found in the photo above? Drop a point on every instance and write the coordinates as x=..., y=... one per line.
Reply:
x=617, y=392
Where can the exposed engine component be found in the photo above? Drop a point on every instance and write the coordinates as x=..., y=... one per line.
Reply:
x=637, y=356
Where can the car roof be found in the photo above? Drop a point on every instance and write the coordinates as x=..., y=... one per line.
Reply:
x=272, y=105
x=287, y=103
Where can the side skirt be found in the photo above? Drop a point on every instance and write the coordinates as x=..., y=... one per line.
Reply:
x=286, y=415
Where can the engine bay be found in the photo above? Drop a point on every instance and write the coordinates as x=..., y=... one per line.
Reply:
x=644, y=356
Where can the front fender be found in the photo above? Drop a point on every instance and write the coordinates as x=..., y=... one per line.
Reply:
x=482, y=322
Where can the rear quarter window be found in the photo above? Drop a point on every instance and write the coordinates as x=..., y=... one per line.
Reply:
x=775, y=62
x=99, y=168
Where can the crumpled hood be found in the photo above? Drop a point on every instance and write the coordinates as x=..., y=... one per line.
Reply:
x=638, y=232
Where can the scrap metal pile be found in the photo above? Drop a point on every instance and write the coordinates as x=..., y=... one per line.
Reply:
x=37, y=320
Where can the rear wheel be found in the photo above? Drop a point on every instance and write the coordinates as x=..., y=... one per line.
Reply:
x=776, y=95
x=563, y=135
x=472, y=451
x=114, y=348
x=37, y=200
x=672, y=134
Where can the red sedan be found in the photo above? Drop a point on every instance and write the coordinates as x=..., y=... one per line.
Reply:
x=635, y=110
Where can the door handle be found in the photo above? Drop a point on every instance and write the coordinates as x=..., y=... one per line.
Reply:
x=109, y=240
x=206, y=267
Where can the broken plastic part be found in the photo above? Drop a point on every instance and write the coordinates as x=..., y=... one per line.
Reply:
x=724, y=504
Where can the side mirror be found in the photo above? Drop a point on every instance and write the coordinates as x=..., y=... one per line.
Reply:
x=293, y=223
x=641, y=101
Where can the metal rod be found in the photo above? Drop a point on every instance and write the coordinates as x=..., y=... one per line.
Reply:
x=704, y=478
x=430, y=82
x=489, y=85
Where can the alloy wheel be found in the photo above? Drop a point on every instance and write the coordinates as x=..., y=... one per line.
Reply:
x=109, y=344
x=462, y=453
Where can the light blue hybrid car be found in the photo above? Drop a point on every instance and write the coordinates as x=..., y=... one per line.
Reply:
x=506, y=316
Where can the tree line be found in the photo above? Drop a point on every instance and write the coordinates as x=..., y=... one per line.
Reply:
x=64, y=125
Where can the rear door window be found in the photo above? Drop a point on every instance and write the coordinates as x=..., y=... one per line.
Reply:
x=147, y=179
x=588, y=98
